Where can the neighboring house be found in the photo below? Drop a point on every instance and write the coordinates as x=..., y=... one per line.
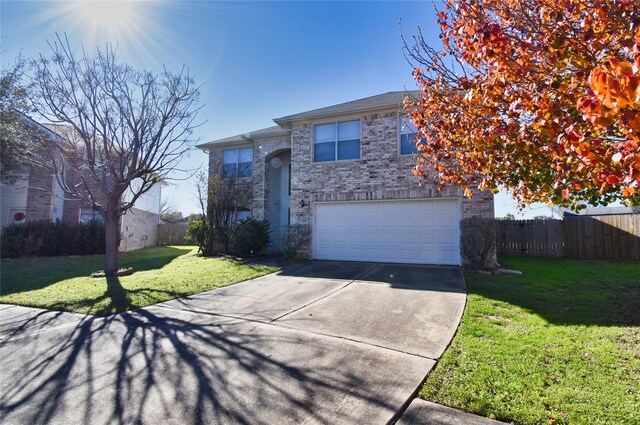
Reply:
x=140, y=224
x=36, y=195
x=604, y=211
x=345, y=172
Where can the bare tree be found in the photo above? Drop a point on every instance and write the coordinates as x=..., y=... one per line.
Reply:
x=166, y=206
x=122, y=130
x=169, y=213
x=221, y=201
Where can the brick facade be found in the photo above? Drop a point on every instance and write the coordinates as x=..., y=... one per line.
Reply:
x=40, y=199
x=263, y=150
x=380, y=173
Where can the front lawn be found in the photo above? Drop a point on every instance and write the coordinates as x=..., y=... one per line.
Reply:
x=161, y=273
x=559, y=344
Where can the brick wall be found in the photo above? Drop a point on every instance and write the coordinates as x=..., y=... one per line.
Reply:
x=380, y=173
x=39, y=196
x=72, y=206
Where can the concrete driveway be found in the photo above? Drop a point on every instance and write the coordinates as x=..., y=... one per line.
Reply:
x=319, y=343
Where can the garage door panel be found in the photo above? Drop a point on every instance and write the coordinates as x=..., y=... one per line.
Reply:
x=389, y=238
x=412, y=231
x=424, y=220
x=443, y=238
x=406, y=221
x=371, y=237
x=445, y=256
x=425, y=255
x=407, y=238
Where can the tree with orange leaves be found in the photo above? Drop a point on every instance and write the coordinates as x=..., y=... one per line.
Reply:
x=541, y=97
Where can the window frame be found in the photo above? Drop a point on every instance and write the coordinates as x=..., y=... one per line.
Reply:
x=235, y=175
x=401, y=124
x=336, y=141
x=95, y=215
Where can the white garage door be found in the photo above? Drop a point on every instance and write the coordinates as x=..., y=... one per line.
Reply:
x=412, y=231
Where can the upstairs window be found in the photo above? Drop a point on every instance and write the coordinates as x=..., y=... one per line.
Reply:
x=336, y=141
x=237, y=163
x=408, y=133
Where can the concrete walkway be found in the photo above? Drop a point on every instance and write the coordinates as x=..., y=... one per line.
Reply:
x=324, y=342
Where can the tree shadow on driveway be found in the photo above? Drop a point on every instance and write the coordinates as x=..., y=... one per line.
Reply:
x=157, y=365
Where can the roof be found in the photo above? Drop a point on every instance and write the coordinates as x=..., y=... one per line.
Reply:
x=42, y=127
x=393, y=99
x=263, y=133
x=62, y=131
x=68, y=134
x=606, y=211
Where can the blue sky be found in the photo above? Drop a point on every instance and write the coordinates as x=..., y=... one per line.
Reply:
x=255, y=60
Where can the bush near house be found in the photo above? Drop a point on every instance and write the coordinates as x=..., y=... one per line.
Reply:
x=250, y=236
x=197, y=235
x=47, y=239
x=478, y=241
x=293, y=239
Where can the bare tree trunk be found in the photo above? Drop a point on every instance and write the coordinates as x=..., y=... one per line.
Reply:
x=112, y=216
x=112, y=238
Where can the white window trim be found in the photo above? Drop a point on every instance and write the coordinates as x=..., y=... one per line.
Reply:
x=313, y=137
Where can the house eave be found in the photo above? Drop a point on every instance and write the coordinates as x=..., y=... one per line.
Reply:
x=391, y=101
x=246, y=138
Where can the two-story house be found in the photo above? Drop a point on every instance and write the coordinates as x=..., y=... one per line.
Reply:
x=35, y=194
x=345, y=171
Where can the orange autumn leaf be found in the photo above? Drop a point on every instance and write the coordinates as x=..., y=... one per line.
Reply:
x=541, y=98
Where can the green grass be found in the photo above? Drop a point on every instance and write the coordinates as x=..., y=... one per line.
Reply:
x=161, y=274
x=559, y=344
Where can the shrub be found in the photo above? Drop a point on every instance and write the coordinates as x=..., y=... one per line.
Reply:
x=46, y=238
x=20, y=246
x=249, y=236
x=478, y=242
x=294, y=238
x=197, y=234
x=221, y=201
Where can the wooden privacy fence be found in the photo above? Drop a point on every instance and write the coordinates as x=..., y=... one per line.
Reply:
x=542, y=238
x=172, y=233
x=604, y=237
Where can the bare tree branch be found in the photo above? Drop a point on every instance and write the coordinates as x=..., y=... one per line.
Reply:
x=122, y=131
